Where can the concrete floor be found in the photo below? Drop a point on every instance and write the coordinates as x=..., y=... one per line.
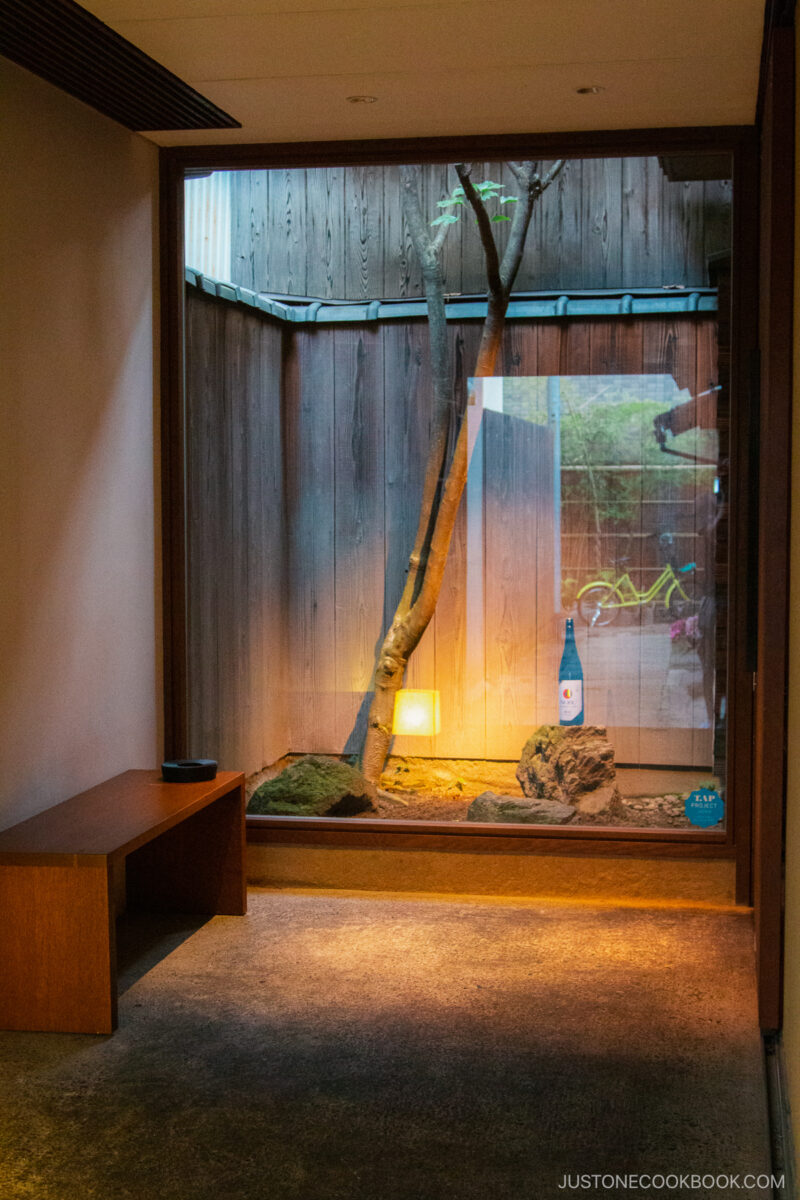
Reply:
x=375, y=1047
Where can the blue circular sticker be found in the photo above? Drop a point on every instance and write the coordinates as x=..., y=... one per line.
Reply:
x=704, y=807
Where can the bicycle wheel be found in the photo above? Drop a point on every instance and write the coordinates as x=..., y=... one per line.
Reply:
x=679, y=606
x=598, y=605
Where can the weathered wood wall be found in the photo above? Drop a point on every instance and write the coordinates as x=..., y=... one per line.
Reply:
x=236, y=536
x=306, y=451
x=339, y=233
x=357, y=423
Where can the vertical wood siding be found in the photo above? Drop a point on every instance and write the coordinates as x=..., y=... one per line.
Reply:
x=236, y=529
x=306, y=453
x=339, y=233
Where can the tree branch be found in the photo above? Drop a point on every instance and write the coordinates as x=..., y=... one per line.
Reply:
x=427, y=251
x=552, y=173
x=484, y=229
x=438, y=241
x=422, y=241
x=530, y=188
x=446, y=473
x=425, y=603
x=523, y=209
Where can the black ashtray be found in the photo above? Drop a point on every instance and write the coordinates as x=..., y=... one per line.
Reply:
x=188, y=770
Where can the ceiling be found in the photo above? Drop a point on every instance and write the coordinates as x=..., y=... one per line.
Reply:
x=285, y=68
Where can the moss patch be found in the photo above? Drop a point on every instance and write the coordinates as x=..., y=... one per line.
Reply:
x=314, y=787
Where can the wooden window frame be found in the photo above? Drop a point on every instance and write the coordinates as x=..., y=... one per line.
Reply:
x=772, y=425
x=741, y=143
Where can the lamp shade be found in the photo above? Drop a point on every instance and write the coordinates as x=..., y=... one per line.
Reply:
x=416, y=712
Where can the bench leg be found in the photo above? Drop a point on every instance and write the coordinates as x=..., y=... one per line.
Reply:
x=196, y=867
x=57, y=949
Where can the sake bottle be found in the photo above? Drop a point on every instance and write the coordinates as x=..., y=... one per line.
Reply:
x=570, y=681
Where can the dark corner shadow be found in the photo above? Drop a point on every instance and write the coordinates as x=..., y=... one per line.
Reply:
x=144, y=939
x=355, y=740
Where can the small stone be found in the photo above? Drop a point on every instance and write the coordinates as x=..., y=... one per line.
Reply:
x=315, y=787
x=489, y=806
x=602, y=799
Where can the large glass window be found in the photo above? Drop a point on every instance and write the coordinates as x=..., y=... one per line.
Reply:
x=595, y=503
x=601, y=502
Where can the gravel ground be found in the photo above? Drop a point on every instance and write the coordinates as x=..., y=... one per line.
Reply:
x=417, y=789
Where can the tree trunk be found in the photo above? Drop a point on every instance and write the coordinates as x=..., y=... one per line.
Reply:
x=444, y=482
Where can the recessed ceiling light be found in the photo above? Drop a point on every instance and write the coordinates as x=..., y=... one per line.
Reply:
x=361, y=99
x=592, y=90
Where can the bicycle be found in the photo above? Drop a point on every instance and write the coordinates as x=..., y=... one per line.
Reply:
x=600, y=602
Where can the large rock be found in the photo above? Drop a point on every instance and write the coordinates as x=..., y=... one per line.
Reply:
x=315, y=787
x=518, y=810
x=564, y=762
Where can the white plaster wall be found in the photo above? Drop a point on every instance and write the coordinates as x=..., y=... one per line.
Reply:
x=79, y=637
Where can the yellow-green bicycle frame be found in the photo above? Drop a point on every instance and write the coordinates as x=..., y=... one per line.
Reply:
x=600, y=601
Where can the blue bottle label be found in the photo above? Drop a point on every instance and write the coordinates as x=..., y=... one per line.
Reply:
x=570, y=699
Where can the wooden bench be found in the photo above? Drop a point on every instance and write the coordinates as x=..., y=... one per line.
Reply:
x=181, y=847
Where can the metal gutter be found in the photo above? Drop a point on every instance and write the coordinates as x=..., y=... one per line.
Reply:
x=531, y=305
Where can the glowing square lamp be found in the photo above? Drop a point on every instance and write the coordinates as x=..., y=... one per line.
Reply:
x=416, y=712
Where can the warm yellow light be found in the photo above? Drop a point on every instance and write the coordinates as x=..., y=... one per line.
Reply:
x=416, y=712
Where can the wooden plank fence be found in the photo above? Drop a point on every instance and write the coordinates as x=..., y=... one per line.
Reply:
x=306, y=451
x=238, y=613
x=339, y=233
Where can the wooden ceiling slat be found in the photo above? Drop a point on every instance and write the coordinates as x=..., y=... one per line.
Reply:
x=68, y=46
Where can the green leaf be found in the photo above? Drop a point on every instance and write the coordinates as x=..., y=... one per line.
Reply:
x=509, y=199
x=447, y=219
x=487, y=183
x=448, y=203
x=459, y=191
x=500, y=217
